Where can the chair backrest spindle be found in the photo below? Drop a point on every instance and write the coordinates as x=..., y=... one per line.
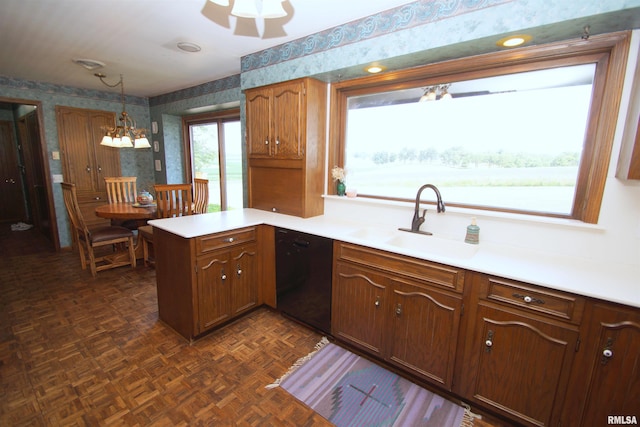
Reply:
x=173, y=200
x=121, y=189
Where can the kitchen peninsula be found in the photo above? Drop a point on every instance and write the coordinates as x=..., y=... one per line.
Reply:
x=481, y=320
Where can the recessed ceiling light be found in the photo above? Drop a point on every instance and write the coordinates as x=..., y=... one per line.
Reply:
x=374, y=69
x=513, y=41
x=188, y=47
x=89, y=64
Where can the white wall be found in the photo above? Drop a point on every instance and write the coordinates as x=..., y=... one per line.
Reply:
x=615, y=239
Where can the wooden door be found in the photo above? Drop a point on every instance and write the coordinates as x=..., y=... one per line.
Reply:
x=360, y=302
x=614, y=388
x=214, y=284
x=425, y=331
x=288, y=120
x=244, y=292
x=11, y=194
x=518, y=365
x=259, y=116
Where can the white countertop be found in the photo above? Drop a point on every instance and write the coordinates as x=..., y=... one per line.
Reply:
x=618, y=283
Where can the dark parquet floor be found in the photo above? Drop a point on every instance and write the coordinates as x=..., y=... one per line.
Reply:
x=78, y=351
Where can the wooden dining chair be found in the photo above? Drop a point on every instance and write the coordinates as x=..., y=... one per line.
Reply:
x=172, y=200
x=121, y=189
x=200, y=195
x=88, y=240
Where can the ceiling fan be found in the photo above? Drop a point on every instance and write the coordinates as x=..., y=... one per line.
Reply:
x=271, y=15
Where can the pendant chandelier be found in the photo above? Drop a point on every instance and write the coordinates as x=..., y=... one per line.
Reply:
x=124, y=133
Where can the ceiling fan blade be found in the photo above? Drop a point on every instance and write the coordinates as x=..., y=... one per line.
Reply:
x=246, y=27
x=274, y=28
x=218, y=14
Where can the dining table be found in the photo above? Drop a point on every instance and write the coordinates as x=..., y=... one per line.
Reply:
x=128, y=212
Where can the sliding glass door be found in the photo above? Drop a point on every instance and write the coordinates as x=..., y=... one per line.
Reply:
x=215, y=153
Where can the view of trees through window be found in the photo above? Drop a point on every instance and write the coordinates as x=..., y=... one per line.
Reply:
x=511, y=142
x=224, y=172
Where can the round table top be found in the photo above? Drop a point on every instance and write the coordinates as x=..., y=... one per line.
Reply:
x=126, y=211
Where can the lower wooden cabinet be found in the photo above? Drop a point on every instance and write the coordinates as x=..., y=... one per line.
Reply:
x=520, y=343
x=605, y=380
x=400, y=315
x=227, y=285
x=205, y=281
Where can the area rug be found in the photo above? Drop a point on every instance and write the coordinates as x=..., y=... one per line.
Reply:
x=349, y=390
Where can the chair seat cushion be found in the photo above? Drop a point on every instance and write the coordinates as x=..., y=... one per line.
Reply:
x=146, y=231
x=108, y=233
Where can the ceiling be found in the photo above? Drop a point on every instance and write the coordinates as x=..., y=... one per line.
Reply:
x=138, y=38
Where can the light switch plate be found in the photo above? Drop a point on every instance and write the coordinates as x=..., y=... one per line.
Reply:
x=57, y=178
x=158, y=166
x=55, y=155
x=154, y=127
x=156, y=146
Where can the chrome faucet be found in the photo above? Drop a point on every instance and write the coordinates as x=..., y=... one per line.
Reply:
x=417, y=220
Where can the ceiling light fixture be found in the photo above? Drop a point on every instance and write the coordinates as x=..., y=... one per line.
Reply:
x=374, y=69
x=89, y=64
x=435, y=93
x=515, y=40
x=125, y=133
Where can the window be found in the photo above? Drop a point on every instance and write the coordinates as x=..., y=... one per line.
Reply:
x=521, y=131
x=214, y=147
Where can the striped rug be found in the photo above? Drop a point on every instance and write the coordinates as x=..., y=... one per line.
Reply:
x=349, y=390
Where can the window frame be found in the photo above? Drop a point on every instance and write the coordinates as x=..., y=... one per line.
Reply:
x=608, y=51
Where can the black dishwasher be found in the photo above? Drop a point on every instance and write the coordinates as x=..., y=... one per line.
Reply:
x=303, y=277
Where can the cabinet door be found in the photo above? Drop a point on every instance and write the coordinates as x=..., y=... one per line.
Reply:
x=359, y=305
x=73, y=130
x=425, y=332
x=288, y=116
x=276, y=189
x=259, y=116
x=244, y=291
x=518, y=365
x=614, y=388
x=107, y=159
x=214, y=284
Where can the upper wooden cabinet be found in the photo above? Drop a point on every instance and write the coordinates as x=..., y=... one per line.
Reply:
x=85, y=161
x=286, y=146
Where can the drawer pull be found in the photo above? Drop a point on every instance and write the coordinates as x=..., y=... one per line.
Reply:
x=266, y=142
x=399, y=309
x=607, y=352
x=229, y=240
x=377, y=303
x=528, y=299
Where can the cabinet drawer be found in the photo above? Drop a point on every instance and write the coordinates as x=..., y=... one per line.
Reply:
x=216, y=241
x=440, y=275
x=540, y=300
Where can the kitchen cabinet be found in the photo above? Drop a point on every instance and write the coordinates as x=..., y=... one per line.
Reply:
x=520, y=343
x=286, y=146
x=605, y=381
x=85, y=161
x=402, y=310
x=206, y=281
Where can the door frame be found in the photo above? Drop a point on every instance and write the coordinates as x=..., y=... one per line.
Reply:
x=53, y=235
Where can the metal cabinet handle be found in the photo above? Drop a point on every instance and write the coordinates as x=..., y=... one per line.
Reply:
x=399, y=309
x=274, y=209
x=238, y=269
x=224, y=276
x=266, y=142
x=88, y=168
x=377, y=303
x=277, y=141
x=229, y=240
x=607, y=353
